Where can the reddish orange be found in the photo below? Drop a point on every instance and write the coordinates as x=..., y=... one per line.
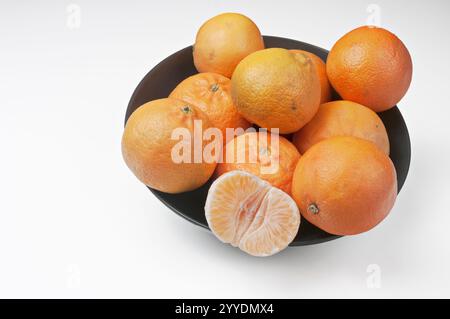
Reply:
x=344, y=185
x=370, y=66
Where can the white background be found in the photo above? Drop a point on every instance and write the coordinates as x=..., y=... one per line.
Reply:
x=74, y=222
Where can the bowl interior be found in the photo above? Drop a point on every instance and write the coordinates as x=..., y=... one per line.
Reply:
x=164, y=77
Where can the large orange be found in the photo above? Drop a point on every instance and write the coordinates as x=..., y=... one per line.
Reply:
x=370, y=66
x=342, y=118
x=147, y=146
x=270, y=158
x=211, y=93
x=344, y=185
x=325, y=87
x=247, y=212
x=274, y=90
x=223, y=41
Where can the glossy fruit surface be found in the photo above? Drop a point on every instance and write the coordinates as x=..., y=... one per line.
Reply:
x=344, y=185
x=370, y=66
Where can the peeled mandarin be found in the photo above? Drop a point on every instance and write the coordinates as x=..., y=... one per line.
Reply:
x=247, y=212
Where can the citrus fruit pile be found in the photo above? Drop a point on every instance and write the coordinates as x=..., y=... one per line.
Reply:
x=280, y=133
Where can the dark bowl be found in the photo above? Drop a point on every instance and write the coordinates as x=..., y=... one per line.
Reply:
x=163, y=78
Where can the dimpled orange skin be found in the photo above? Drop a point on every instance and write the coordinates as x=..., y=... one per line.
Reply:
x=147, y=146
x=325, y=86
x=344, y=185
x=223, y=41
x=342, y=118
x=275, y=90
x=211, y=93
x=370, y=66
x=253, y=143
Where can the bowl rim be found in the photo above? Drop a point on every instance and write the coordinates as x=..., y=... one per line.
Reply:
x=324, y=52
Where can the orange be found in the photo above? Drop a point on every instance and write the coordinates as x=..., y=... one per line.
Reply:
x=246, y=212
x=223, y=41
x=258, y=153
x=370, y=66
x=325, y=87
x=147, y=146
x=344, y=185
x=342, y=118
x=274, y=90
x=211, y=93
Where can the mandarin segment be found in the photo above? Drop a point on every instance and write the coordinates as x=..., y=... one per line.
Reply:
x=247, y=212
x=273, y=225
